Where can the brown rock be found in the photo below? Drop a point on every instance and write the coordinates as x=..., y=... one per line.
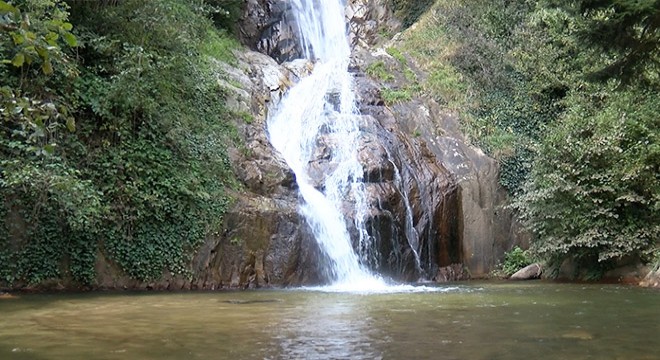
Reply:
x=454, y=272
x=652, y=279
x=529, y=272
x=7, y=296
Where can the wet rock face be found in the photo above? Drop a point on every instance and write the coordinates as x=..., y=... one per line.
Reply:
x=265, y=241
x=269, y=26
x=454, y=272
x=413, y=199
x=451, y=186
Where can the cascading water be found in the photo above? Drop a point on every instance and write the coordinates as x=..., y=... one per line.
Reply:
x=322, y=105
x=318, y=118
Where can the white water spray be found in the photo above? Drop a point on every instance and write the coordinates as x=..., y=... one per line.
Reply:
x=323, y=105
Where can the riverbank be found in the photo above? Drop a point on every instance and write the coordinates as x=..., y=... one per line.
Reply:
x=650, y=280
x=475, y=320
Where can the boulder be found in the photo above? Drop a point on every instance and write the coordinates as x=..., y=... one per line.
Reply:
x=652, y=279
x=529, y=272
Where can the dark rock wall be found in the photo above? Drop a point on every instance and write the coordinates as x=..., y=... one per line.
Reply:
x=414, y=199
x=268, y=26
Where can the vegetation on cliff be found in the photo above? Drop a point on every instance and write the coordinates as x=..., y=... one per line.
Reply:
x=113, y=135
x=564, y=95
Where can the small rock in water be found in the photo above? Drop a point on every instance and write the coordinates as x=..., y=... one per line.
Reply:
x=4, y=295
x=578, y=335
x=651, y=280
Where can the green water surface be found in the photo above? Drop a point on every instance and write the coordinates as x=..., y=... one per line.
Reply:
x=473, y=321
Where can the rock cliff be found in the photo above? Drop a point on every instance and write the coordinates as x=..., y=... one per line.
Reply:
x=432, y=197
x=435, y=206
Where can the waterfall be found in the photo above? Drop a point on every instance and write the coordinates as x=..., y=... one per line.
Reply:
x=319, y=110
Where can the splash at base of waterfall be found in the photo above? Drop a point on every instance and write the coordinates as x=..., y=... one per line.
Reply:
x=369, y=286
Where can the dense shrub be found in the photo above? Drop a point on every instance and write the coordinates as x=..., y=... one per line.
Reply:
x=118, y=146
x=514, y=260
x=410, y=10
x=594, y=194
x=562, y=95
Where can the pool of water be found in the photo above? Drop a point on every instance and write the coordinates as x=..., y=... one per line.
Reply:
x=470, y=321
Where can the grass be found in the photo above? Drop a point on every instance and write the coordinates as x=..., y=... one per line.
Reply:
x=393, y=96
x=379, y=70
x=398, y=55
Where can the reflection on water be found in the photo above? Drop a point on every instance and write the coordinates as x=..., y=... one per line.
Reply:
x=490, y=321
x=337, y=330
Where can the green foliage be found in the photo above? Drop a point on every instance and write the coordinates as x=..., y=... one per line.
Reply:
x=393, y=96
x=579, y=156
x=444, y=84
x=515, y=260
x=141, y=173
x=626, y=33
x=398, y=55
x=31, y=46
x=225, y=12
x=594, y=196
x=379, y=70
x=32, y=34
x=410, y=10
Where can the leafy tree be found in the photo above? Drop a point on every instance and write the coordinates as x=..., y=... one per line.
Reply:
x=410, y=10
x=579, y=156
x=627, y=32
x=143, y=177
x=594, y=194
x=32, y=34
